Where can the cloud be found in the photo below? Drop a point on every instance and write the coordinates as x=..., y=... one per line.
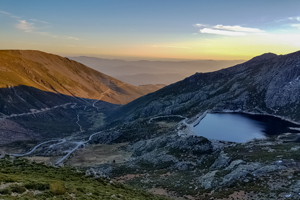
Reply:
x=25, y=26
x=295, y=25
x=35, y=20
x=9, y=14
x=72, y=38
x=239, y=29
x=30, y=27
x=228, y=30
x=294, y=19
x=199, y=25
x=221, y=32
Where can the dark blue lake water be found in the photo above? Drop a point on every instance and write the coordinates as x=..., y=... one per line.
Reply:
x=241, y=128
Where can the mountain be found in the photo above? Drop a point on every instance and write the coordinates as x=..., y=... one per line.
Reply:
x=153, y=72
x=47, y=96
x=265, y=84
x=139, y=79
x=52, y=73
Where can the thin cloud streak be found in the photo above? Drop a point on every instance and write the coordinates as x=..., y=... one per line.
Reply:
x=295, y=18
x=9, y=14
x=295, y=25
x=35, y=20
x=228, y=30
x=221, y=32
x=29, y=27
x=239, y=29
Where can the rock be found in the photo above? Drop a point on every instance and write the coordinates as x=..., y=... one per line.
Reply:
x=184, y=166
x=234, y=164
x=222, y=161
x=268, y=168
x=95, y=173
x=207, y=180
x=197, y=145
x=240, y=172
x=296, y=187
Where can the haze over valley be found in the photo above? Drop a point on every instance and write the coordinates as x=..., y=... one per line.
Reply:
x=153, y=72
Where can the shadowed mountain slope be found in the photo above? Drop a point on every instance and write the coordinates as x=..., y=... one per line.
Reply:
x=265, y=84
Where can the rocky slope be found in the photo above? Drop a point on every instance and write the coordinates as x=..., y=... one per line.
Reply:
x=265, y=84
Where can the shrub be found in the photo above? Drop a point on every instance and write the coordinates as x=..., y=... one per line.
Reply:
x=5, y=191
x=57, y=188
x=37, y=186
x=18, y=189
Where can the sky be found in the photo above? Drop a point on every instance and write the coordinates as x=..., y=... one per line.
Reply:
x=160, y=29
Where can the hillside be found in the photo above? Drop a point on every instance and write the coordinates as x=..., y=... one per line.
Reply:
x=52, y=73
x=265, y=84
x=48, y=96
x=21, y=179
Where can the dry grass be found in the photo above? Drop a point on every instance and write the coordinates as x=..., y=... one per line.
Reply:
x=99, y=154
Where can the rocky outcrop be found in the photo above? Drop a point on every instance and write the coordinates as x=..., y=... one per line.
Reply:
x=207, y=180
x=222, y=161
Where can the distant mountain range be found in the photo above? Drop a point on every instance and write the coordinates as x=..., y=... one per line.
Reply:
x=153, y=72
x=266, y=84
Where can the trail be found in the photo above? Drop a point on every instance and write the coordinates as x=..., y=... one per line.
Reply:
x=66, y=156
x=188, y=128
x=165, y=117
x=77, y=122
x=17, y=94
x=32, y=150
x=75, y=148
x=103, y=95
x=62, y=141
x=36, y=111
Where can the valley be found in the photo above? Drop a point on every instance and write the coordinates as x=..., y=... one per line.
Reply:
x=151, y=144
x=149, y=100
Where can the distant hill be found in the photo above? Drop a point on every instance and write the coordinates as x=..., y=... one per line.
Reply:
x=153, y=72
x=138, y=79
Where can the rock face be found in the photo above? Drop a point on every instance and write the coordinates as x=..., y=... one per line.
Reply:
x=265, y=84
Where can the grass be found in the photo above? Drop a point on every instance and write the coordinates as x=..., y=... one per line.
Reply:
x=98, y=154
x=29, y=180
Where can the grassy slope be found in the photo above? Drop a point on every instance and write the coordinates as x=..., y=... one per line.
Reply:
x=20, y=179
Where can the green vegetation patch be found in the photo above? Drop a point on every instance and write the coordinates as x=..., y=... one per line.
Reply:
x=38, y=181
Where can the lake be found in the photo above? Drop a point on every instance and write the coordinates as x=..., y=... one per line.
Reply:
x=236, y=127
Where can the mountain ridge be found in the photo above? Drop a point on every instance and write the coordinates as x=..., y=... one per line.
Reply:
x=266, y=85
x=57, y=74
